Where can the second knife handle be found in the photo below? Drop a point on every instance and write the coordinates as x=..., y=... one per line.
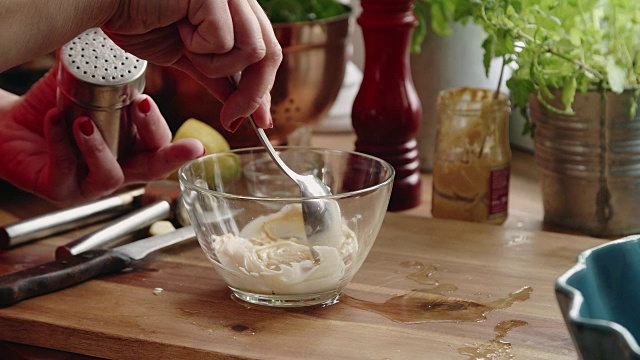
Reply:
x=59, y=274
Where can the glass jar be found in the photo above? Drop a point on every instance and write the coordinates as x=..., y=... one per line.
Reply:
x=472, y=156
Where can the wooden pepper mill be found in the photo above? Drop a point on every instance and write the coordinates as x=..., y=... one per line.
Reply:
x=387, y=111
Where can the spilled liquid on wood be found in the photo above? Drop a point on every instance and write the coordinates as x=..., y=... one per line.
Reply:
x=496, y=348
x=434, y=304
x=417, y=306
x=423, y=273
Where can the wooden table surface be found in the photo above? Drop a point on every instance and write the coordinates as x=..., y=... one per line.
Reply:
x=430, y=288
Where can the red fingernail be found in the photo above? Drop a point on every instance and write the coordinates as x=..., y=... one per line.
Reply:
x=204, y=152
x=86, y=127
x=235, y=124
x=270, y=122
x=144, y=106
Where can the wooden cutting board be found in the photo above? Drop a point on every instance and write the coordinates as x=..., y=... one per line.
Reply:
x=458, y=271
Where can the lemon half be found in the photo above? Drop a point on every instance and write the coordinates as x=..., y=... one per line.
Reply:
x=212, y=140
x=227, y=165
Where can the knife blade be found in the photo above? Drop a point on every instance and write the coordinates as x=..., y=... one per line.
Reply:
x=63, y=273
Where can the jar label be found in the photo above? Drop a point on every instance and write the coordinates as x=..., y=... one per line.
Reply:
x=499, y=191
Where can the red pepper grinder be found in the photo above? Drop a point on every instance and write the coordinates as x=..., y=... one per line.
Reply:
x=387, y=111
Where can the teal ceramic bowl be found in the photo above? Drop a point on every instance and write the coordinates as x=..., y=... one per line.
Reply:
x=600, y=300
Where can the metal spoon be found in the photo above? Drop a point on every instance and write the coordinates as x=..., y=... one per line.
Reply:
x=322, y=218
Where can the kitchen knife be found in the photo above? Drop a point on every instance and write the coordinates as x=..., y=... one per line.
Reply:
x=73, y=270
x=116, y=229
x=168, y=204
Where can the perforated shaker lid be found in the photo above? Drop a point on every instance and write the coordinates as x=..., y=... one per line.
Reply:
x=94, y=72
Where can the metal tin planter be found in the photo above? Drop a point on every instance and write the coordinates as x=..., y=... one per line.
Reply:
x=590, y=164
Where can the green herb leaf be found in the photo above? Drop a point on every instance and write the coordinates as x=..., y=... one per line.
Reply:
x=569, y=92
x=576, y=36
x=440, y=18
x=633, y=107
x=583, y=82
x=616, y=75
x=489, y=53
x=504, y=43
x=520, y=88
x=322, y=9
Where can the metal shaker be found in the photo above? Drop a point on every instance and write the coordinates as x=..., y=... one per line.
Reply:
x=99, y=80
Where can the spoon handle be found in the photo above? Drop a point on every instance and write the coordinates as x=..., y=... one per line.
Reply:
x=267, y=144
x=272, y=152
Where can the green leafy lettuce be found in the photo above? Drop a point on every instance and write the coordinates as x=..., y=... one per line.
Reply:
x=284, y=11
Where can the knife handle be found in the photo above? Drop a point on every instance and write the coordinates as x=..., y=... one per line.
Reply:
x=59, y=274
x=58, y=221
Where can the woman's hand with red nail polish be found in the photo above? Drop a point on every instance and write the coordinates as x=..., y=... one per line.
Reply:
x=40, y=154
x=144, y=105
x=86, y=126
x=153, y=156
x=208, y=39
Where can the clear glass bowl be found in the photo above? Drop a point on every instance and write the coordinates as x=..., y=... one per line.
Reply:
x=248, y=220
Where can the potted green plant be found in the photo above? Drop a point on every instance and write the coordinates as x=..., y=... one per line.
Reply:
x=576, y=67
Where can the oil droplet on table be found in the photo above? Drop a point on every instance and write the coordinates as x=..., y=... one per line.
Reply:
x=496, y=348
x=419, y=306
x=440, y=289
x=423, y=273
x=518, y=240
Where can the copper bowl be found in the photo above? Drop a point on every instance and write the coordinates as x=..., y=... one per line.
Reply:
x=306, y=84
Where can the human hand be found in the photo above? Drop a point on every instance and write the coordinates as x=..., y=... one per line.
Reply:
x=37, y=153
x=210, y=40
